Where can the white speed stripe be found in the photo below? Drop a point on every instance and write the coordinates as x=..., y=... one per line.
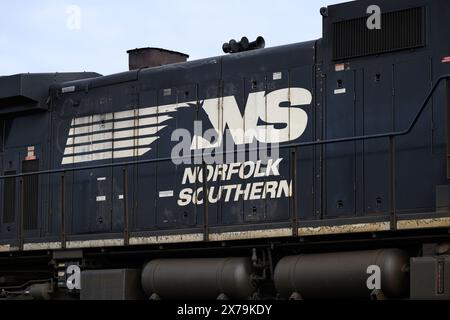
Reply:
x=116, y=135
x=110, y=145
x=131, y=113
x=118, y=125
x=113, y=136
x=163, y=109
x=105, y=156
x=92, y=119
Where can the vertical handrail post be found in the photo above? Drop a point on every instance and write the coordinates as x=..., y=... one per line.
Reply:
x=447, y=124
x=126, y=230
x=20, y=231
x=392, y=183
x=205, y=203
x=294, y=195
x=63, y=213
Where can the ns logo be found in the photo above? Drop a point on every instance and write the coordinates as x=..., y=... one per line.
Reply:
x=270, y=118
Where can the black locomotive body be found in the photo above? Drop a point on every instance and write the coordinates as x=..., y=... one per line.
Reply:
x=95, y=205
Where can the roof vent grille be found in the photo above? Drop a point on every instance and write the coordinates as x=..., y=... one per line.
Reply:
x=404, y=29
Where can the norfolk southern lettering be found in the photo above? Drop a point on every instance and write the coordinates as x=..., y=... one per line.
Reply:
x=264, y=183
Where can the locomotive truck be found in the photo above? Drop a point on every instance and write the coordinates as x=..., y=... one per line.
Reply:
x=312, y=170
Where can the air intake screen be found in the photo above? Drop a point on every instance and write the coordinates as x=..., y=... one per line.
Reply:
x=400, y=30
x=30, y=194
x=9, y=198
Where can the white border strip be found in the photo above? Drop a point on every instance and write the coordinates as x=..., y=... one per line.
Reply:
x=42, y=246
x=423, y=223
x=181, y=238
x=241, y=235
x=5, y=248
x=95, y=243
x=251, y=234
x=349, y=228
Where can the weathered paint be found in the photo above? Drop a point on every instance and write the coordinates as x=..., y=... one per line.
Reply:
x=349, y=228
x=241, y=235
x=181, y=238
x=95, y=243
x=5, y=248
x=42, y=246
x=423, y=224
x=252, y=234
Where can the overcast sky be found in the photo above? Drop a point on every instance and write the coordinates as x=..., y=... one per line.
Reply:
x=82, y=35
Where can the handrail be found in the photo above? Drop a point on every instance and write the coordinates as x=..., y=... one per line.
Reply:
x=286, y=146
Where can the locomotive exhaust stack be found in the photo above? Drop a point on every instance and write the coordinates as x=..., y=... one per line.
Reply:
x=154, y=57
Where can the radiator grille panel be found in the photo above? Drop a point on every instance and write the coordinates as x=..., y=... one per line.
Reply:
x=400, y=30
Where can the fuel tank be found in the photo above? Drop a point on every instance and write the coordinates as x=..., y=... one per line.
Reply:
x=204, y=279
x=343, y=275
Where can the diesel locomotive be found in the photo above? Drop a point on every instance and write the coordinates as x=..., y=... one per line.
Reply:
x=313, y=170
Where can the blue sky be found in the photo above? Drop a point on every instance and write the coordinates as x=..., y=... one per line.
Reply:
x=45, y=36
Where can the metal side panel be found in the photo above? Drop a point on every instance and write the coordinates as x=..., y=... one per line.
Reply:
x=120, y=284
